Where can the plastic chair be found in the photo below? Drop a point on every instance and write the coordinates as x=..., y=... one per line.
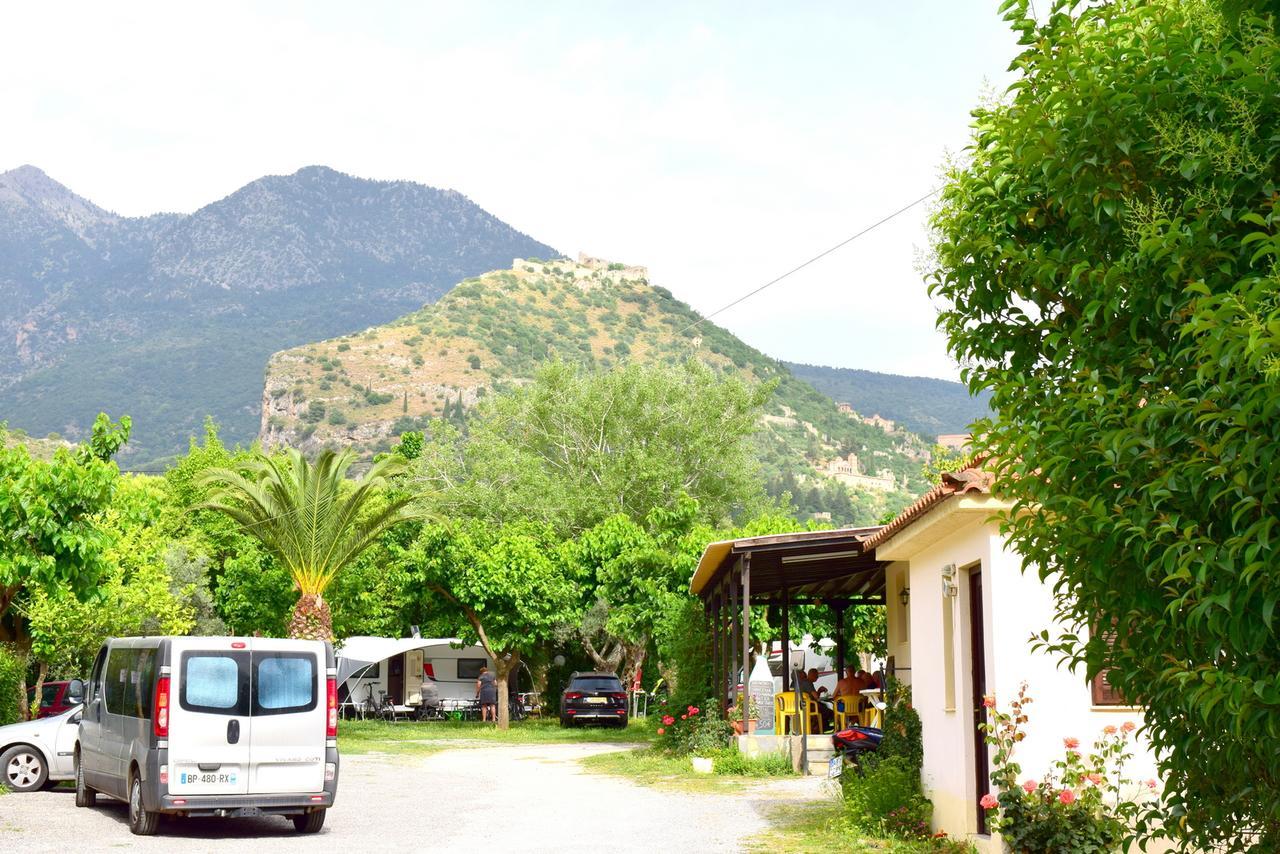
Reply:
x=848, y=711
x=786, y=718
x=870, y=714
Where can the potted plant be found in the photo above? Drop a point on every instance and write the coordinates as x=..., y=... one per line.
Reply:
x=753, y=715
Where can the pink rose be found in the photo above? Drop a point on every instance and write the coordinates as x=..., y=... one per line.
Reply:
x=1095, y=779
x=684, y=717
x=1151, y=784
x=1128, y=726
x=989, y=701
x=661, y=731
x=1067, y=796
x=1030, y=786
x=1071, y=742
x=989, y=801
x=694, y=710
x=668, y=720
x=1109, y=729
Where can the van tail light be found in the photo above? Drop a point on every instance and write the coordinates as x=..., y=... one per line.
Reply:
x=618, y=695
x=160, y=709
x=331, y=704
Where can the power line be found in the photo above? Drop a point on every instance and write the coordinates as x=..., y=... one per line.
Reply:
x=818, y=257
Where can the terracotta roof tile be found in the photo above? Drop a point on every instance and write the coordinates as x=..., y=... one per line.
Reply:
x=971, y=480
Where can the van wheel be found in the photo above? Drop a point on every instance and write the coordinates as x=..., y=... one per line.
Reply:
x=22, y=769
x=85, y=797
x=141, y=822
x=309, y=823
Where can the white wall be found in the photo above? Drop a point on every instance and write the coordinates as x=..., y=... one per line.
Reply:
x=1015, y=606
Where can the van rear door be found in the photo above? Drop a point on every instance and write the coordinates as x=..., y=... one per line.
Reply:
x=287, y=744
x=210, y=727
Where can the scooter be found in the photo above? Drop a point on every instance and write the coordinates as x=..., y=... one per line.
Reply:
x=854, y=744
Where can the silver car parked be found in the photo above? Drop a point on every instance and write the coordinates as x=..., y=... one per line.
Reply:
x=37, y=754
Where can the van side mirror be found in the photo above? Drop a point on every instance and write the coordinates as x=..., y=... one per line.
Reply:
x=75, y=691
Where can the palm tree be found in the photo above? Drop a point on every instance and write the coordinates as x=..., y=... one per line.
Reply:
x=304, y=516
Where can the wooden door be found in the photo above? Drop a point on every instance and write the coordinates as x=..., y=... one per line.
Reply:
x=978, y=670
x=395, y=679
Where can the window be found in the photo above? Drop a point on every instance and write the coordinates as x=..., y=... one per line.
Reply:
x=215, y=683
x=138, y=686
x=116, y=680
x=469, y=668
x=284, y=683
x=373, y=671
x=596, y=683
x=1100, y=687
x=95, y=681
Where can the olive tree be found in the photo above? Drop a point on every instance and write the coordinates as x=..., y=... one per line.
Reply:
x=1107, y=255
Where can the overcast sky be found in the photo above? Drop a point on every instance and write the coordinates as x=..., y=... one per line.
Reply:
x=719, y=143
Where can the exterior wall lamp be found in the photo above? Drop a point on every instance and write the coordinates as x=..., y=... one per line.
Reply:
x=904, y=596
x=949, y=586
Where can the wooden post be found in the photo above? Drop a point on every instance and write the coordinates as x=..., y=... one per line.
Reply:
x=725, y=645
x=746, y=643
x=786, y=642
x=839, y=607
x=713, y=615
x=732, y=614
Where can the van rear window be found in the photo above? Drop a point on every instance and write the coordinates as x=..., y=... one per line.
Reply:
x=284, y=683
x=596, y=683
x=215, y=682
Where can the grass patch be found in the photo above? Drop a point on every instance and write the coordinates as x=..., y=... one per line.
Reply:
x=826, y=827
x=408, y=736
x=655, y=768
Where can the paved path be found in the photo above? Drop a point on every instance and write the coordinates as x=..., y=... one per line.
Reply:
x=533, y=797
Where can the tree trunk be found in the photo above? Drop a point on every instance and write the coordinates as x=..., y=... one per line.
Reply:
x=633, y=660
x=311, y=619
x=41, y=673
x=503, y=666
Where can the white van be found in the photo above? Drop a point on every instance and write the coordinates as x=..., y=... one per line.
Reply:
x=211, y=726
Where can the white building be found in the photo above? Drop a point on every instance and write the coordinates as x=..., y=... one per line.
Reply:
x=961, y=614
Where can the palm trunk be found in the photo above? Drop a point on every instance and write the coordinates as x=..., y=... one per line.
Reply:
x=311, y=619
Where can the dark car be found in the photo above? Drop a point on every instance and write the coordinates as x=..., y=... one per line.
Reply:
x=54, y=699
x=593, y=698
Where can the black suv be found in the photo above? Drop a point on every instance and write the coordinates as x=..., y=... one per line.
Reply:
x=593, y=698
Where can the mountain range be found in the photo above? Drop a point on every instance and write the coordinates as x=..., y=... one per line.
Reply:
x=171, y=317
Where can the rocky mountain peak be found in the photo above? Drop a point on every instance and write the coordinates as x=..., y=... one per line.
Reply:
x=28, y=186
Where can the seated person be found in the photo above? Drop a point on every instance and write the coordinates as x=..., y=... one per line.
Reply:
x=430, y=694
x=853, y=682
x=805, y=684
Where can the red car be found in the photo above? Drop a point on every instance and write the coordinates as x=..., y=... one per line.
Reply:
x=53, y=699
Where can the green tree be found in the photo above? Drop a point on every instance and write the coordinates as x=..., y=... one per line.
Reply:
x=1109, y=257
x=507, y=585
x=49, y=542
x=309, y=519
x=576, y=447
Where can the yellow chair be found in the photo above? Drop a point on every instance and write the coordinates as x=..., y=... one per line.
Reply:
x=870, y=715
x=786, y=719
x=848, y=711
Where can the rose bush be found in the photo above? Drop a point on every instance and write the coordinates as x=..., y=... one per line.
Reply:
x=695, y=731
x=1084, y=803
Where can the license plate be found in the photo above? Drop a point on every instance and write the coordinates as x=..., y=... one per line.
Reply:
x=597, y=700
x=835, y=765
x=196, y=777
x=248, y=812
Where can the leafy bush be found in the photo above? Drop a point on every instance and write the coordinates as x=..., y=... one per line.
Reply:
x=376, y=398
x=314, y=413
x=336, y=417
x=699, y=730
x=732, y=762
x=885, y=788
x=903, y=735
x=12, y=667
x=474, y=361
x=342, y=348
x=1083, y=804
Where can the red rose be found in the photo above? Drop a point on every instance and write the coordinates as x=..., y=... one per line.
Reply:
x=668, y=720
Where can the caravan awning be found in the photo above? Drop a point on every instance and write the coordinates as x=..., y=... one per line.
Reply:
x=357, y=653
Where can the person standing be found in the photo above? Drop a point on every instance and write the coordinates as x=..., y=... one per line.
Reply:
x=487, y=693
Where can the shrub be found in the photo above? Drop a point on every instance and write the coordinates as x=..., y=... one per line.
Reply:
x=697, y=730
x=888, y=787
x=314, y=413
x=903, y=735
x=342, y=348
x=336, y=417
x=730, y=761
x=474, y=361
x=13, y=666
x=1084, y=803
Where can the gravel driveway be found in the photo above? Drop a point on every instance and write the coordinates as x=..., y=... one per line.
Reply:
x=529, y=797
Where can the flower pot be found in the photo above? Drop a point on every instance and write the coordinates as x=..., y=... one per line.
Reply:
x=703, y=764
x=751, y=725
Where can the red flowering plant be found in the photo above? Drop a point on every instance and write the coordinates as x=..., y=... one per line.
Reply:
x=694, y=729
x=1084, y=803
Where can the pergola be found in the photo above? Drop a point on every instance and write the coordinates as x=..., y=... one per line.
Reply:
x=832, y=568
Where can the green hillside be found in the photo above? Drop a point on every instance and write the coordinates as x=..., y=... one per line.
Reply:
x=923, y=404
x=490, y=332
